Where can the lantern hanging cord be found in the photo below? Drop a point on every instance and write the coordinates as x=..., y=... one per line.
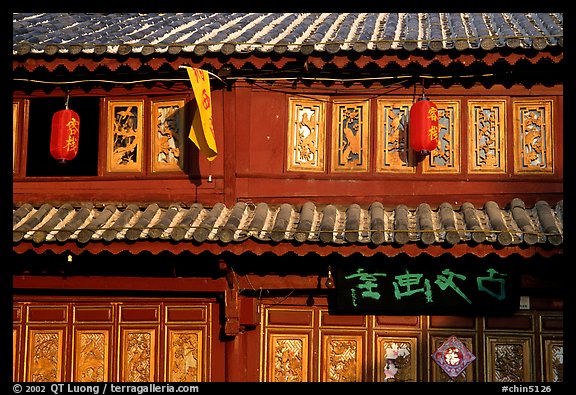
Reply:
x=422, y=82
x=209, y=72
x=254, y=78
x=67, y=98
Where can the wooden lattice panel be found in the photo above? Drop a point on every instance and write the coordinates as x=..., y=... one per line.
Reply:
x=45, y=355
x=553, y=360
x=168, y=135
x=185, y=355
x=342, y=358
x=15, y=352
x=138, y=355
x=350, y=136
x=446, y=157
x=393, y=153
x=288, y=358
x=509, y=359
x=306, y=135
x=533, y=137
x=15, y=133
x=486, y=136
x=397, y=359
x=125, y=130
x=91, y=355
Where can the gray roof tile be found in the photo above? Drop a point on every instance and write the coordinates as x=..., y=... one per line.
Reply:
x=262, y=32
x=329, y=224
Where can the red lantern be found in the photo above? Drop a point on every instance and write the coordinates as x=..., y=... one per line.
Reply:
x=423, y=126
x=65, y=135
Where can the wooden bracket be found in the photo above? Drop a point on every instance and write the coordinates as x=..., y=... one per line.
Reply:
x=231, y=305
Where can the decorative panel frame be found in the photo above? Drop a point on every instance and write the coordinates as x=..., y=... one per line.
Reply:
x=167, y=137
x=350, y=136
x=16, y=352
x=487, y=136
x=125, y=136
x=185, y=355
x=393, y=153
x=509, y=359
x=403, y=364
x=138, y=354
x=287, y=357
x=533, y=136
x=15, y=135
x=306, y=134
x=342, y=358
x=45, y=354
x=91, y=357
x=438, y=375
x=445, y=158
x=553, y=360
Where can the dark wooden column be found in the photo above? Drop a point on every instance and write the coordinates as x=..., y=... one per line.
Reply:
x=235, y=360
x=234, y=349
x=229, y=152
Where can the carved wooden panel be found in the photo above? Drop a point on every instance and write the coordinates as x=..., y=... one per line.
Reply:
x=124, y=133
x=91, y=355
x=533, y=136
x=306, y=135
x=554, y=360
x=509, y=359
x=342, y=358
x=45, y=355
x=393, y=153
x=138, y=355
x=185, y=355
x=437, y=374
x=396, y=359
x=350, y=135
x=15, y=134
x=168, y=135
x=287, y=358
x=446, y=157
x=16, y=352
x=112, y=341
x=486, y=136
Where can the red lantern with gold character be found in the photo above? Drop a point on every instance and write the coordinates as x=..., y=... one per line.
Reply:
x=423, y=126
x=65, y=135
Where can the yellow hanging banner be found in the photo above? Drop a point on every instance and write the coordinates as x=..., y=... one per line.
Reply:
x=202, y=131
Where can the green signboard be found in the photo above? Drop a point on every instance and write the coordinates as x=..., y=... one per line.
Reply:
x=433, y=288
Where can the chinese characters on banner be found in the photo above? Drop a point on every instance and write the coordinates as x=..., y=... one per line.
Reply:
x=202, y=130
x=433, y=116
x=368, y=287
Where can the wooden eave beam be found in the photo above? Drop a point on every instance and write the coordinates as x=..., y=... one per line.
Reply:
x=169, y=284
x=155, y=63
x=283, y=248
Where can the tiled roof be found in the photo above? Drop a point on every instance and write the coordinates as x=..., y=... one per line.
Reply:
x=230, y=33
x=330, y=224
